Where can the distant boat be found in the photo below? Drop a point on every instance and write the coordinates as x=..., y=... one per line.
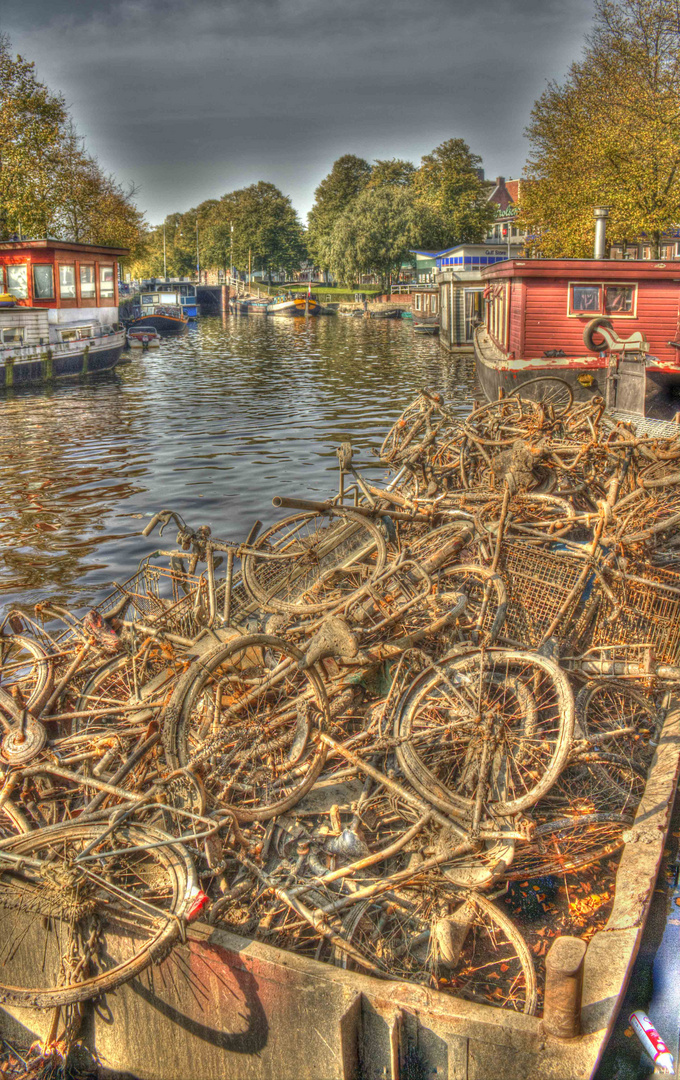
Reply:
x=389, y=313
x=167, y=292
x=257, y=307
x=165, y=319
x=143, y=337
x=301, y=305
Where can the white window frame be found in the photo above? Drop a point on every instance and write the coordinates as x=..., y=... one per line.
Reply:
x=20, y=330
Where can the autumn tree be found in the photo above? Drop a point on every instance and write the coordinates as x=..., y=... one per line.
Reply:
x=609, y=134
x=48, y=182
x=452, y=197
x=32, y=122
x=374, y=234
x=333, y=196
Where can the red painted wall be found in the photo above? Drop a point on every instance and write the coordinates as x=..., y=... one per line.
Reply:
x=539, y=317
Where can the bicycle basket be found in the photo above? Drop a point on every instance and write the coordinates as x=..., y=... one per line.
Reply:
x=650, y=615
x=538, y=584
x=163, y=598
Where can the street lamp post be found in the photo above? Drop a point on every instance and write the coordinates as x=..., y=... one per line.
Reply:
x=198, y=258
x=165, y=257
x=231, y=241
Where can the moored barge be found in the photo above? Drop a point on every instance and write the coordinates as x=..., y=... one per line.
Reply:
x=605, y=327
x=299, y=306
x=59, y=311
x=166, y=319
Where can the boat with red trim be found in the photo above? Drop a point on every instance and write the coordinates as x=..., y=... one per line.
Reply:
x=58, y=310
x=167, y=319
x=606, y=327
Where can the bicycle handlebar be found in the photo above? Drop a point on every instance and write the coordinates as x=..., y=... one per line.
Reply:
x=165, y=516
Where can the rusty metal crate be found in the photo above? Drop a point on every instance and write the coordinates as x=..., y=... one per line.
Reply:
x=163, y=598
x=649, y=615
x=538, y=582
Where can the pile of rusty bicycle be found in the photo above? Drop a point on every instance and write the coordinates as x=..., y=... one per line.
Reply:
x=348, y=733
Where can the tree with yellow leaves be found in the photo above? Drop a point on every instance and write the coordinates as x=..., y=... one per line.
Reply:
x=49, y=185
x=609, y=135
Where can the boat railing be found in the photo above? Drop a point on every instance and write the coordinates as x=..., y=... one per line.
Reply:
x=61, y=347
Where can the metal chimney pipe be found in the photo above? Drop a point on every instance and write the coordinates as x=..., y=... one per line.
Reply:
x=601, y=215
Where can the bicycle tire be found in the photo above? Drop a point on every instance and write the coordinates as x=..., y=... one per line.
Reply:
x=540, y=730
x=186, y=739
x=32, y=676
x=398, y=937
x=603, y=706
x=545, y=853
x=71, y=902
x=548, y=383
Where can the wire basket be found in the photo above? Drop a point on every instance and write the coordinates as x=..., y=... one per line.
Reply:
x=538, y=582
x=650, y=615
x=163, y=598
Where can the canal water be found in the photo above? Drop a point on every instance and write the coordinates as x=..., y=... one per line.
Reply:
x=212, y=424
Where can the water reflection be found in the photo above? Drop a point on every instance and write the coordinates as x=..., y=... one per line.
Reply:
x=213, y=424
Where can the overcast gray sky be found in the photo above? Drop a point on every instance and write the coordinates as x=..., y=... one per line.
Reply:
x=189, y=99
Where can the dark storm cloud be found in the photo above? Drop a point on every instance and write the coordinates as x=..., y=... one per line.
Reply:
x=189, y=100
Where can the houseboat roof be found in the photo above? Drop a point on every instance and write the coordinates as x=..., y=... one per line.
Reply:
x=61, y=245
x=569, y=269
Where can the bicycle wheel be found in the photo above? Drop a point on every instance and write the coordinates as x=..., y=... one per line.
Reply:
x=606, y=707
x=500, y=423
x=408, y=430
x=243, y=716
x=568, y=844
x=549, y=390
x=320, y=559
x=25, y=670
x=449, y=938
x=120, y=680
x=494, y=725
x=71, y=928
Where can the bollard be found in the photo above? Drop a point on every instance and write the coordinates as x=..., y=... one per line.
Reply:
x=563, y=984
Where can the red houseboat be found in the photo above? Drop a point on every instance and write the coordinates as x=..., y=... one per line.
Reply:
x=606, y=327
x=58, y=310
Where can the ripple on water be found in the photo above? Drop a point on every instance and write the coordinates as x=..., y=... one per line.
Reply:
x=213, y=424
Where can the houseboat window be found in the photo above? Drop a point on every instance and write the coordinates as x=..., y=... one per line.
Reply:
x=43, y=282
x=17, y=281
x=67, y=282
x=474, y=301
x=87, y=285
x=618, y=298
x=585, y=298
x=76, y=333
x=13, y=335
x=106, y=282
x=418, y=302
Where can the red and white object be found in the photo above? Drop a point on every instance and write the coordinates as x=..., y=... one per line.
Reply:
x=196, y=902
x=652, y=1042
